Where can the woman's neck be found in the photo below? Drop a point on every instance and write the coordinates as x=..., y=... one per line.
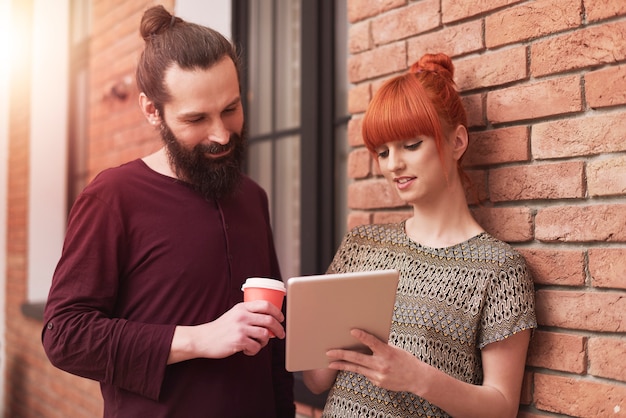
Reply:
x=443, y=224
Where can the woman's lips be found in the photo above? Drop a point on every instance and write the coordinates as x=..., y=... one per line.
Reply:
x=403, y=182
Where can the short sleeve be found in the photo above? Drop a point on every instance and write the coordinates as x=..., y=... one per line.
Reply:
x=509, y=302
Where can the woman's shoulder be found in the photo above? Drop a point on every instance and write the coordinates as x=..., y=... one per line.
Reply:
x=377, y=230
x=496, y=250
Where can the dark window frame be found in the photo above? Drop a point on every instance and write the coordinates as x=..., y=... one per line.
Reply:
x=317, y=130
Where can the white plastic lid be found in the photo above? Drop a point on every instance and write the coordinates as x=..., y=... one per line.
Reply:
x=264, y=283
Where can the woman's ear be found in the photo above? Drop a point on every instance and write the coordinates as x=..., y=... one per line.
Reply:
x=149, y=109
x=460, y=142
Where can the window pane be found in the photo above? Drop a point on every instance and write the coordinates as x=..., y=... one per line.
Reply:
x=287, y=205
x=260, y=94
x=287, y=64
x=260, y=163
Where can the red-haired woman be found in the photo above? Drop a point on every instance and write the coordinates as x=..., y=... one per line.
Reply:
x=464, y=308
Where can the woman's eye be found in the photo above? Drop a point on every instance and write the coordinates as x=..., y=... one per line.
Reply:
x=413, y=146
x=383, y=154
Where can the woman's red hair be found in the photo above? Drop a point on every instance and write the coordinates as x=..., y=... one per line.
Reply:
x=421, y=102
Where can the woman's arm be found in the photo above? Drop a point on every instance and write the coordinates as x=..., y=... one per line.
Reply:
x=319, y=380
x=394, y=369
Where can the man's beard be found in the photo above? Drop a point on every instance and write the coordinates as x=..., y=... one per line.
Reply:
x=212, y=178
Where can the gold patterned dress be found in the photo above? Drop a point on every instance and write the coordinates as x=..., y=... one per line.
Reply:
x=450, y=303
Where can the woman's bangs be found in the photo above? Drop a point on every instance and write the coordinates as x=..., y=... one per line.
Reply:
x=397, y=113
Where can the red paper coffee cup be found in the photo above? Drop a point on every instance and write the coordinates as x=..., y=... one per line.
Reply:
x=271, y=290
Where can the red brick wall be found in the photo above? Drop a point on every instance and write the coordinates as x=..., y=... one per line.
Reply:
x=544, y=83
x=118, y=133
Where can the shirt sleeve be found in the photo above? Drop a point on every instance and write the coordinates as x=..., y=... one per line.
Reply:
x=510, y=302
x=81, y=335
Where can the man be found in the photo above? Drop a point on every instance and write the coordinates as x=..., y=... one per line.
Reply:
x=147, y=297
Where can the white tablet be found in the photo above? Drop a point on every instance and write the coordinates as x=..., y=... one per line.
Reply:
x=322, y=309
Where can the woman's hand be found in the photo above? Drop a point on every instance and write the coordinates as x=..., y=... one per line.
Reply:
x=388, y=367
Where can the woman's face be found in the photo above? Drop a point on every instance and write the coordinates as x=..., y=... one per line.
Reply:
x=414, y=168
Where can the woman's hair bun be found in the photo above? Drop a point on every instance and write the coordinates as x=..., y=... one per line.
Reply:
x=155, y=21
x=437, y=63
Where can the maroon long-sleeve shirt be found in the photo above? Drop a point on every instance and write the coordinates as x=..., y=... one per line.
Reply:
x=144, y=253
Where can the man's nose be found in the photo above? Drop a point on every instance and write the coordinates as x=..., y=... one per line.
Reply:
x=218, y=133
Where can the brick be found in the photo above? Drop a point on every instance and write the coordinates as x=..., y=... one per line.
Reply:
x=607, y=177
x=530, y=21
x=354, y=132
x=453, y=10
x=545, y=98
x=498, y=146
x=492, y=69
x=359, y=38
x=381, y=61
x=589, y=135
x=303, y=410
x=455, y=40
x=580, y=310
x=606, y=87
x=359, y=97
x=362, y=9
x=607, y=267
x=359, y=163
x=356, y=218
x=557, y=351
x=537, y=181
x=603, y=9
x=603, y=44
x=475, y=110
x=555, y=267
x=578, y=397
x=592, y=223
x=603, y=353
x=405, y=22
x=512, y=224
x=476, y=191
x=372, y=194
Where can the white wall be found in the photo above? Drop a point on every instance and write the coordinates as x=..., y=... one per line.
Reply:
x=215, y=14
x=48, y=143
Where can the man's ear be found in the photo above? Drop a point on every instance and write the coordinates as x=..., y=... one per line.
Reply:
x=149, y=109
x=461, y=141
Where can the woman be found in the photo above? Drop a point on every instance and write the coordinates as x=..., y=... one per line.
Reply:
x=464, y=308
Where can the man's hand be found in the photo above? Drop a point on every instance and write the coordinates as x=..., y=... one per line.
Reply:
x=245, y=327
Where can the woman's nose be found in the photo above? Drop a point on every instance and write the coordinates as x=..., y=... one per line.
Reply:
x=394, y=161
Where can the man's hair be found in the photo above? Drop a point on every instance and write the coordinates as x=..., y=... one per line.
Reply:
x=172, y=41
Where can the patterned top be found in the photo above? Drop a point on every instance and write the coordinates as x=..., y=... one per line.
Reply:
x=450, y=303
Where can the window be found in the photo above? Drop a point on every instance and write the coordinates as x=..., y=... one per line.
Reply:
x=297, y=118
x=294, y=58
x=77, y=171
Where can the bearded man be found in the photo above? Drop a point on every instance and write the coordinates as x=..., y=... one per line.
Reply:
x=146, y=297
